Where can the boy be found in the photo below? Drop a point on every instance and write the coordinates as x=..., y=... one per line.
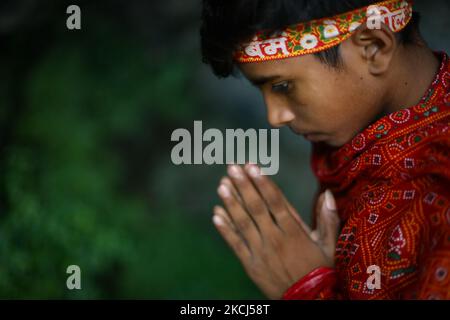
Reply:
x=357, y=80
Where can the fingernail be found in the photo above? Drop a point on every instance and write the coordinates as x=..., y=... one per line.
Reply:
x=253, y=171
x=234, y=171
x=218, y=221
x=223, y=191
x=330, y=203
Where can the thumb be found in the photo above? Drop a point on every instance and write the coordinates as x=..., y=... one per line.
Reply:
x=328, y=223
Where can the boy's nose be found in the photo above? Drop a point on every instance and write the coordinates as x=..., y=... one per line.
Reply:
x=279, y=116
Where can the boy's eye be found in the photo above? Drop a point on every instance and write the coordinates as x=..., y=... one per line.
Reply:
x=281, y=87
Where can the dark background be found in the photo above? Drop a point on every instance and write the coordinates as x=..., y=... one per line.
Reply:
x=86, y=176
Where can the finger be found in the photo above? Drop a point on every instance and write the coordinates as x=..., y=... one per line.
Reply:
x=231, y=237
x=331, y=220
x=220, y=211
x=314, y=235
x=274, y=198
x=241, y=219
x=319, y=218
x=328, y=223
x=226, y=181
x=297, y=217
x=294, y=212
x=253, y=201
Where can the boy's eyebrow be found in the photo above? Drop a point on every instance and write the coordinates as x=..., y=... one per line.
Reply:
x=259, y=81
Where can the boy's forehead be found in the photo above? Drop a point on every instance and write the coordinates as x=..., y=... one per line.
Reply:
x=271, y=70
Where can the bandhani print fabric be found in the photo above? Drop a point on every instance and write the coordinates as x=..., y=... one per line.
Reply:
x=392, y=188
x=318, y=35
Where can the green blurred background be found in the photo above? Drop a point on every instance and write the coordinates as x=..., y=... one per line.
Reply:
x=86, y=176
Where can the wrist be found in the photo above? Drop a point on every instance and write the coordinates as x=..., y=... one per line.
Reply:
x=318, y=284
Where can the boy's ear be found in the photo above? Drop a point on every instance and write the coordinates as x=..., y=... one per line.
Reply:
x=376, y=47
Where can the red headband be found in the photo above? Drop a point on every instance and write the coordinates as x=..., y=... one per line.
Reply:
x=317, y=35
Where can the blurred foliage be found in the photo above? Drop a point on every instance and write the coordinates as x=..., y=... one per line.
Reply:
x=65, y=173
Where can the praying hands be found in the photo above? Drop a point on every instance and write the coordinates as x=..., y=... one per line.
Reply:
x=274, y=245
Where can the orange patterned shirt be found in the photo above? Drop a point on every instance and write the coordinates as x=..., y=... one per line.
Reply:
x=392, y=187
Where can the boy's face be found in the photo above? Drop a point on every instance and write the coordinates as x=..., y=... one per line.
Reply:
x=321, y=102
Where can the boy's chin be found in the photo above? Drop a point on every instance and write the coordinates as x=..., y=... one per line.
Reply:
x=335, y=142
x=323, y=139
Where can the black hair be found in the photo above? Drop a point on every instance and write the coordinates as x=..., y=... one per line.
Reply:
x=227, y=23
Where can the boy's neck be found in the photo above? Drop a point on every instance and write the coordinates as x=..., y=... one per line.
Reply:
x=418, y=66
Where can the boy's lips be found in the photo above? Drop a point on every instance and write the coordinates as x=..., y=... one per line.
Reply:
x=299, y=132
x=309, y=135
x=313, y=137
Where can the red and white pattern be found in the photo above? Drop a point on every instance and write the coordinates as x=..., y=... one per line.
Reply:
x=321, y=34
